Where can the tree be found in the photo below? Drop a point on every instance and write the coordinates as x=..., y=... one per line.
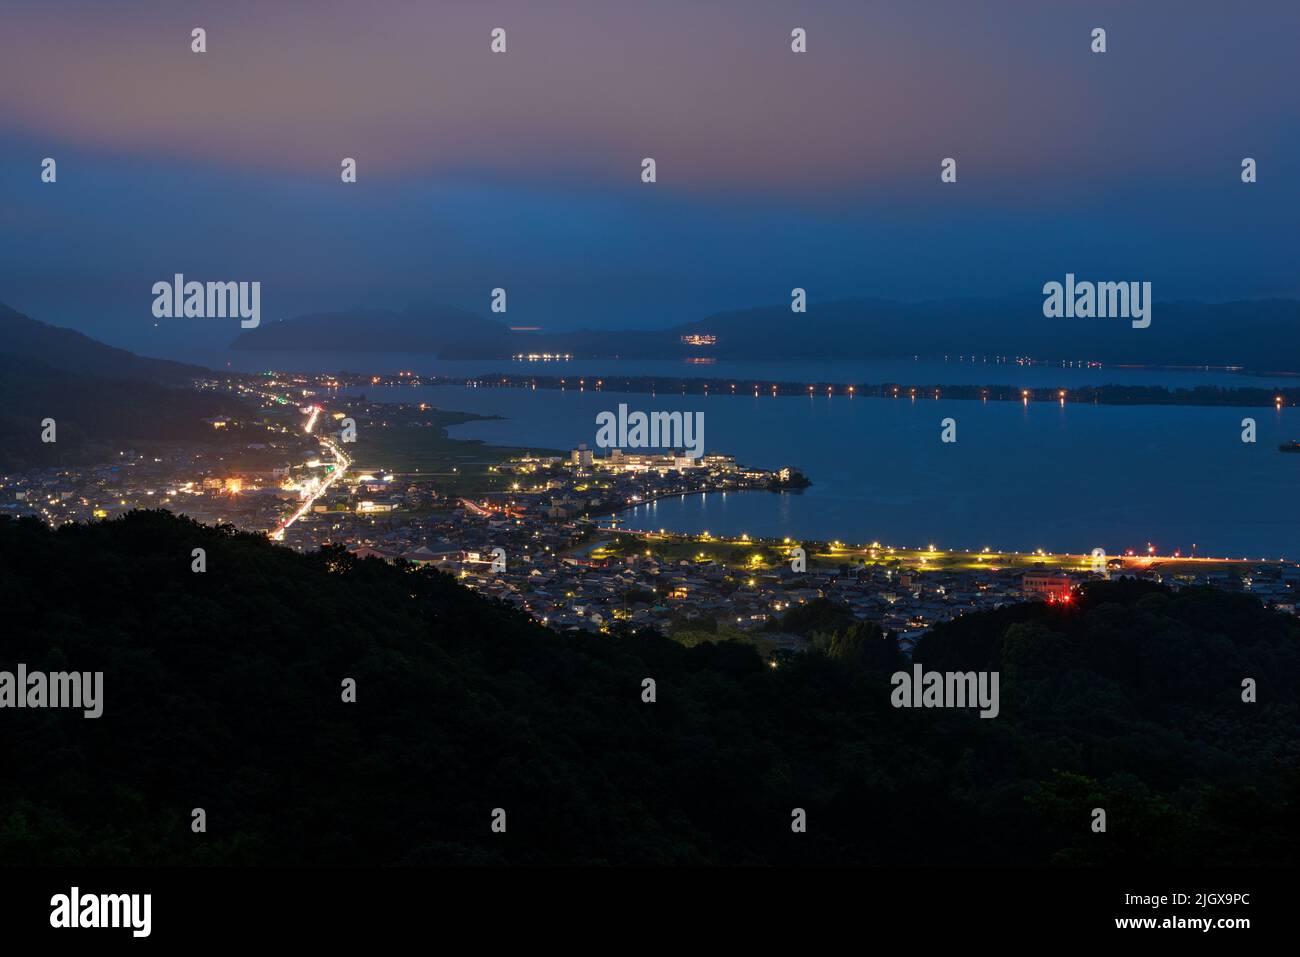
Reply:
x=864, y=645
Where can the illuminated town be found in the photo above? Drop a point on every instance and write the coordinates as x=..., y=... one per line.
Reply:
x=565, y=556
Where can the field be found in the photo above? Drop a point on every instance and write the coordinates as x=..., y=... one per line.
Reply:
x=417, y=446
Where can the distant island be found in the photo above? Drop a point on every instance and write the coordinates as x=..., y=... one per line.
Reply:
x=1259, y=335
x=1201, y=395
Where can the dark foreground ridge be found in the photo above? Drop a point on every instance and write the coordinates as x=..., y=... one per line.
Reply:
x=222, y=691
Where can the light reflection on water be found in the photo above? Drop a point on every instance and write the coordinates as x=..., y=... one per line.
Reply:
x=1068, y=478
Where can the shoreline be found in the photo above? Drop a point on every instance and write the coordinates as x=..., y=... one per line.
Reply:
x=862, y=548
x=1206, y=396
x=938, y=558
x=703, y=491
x=613, y=511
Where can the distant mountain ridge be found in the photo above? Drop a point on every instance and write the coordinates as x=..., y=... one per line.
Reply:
x=96, y=415
x=99, y=396
x=70, y=351
x=1257, y=334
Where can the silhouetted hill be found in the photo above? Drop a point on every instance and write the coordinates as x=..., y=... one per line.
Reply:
x=94, y=415
x=443, y=330
x=70, y=351
x=1262, y=334
x=222, y=691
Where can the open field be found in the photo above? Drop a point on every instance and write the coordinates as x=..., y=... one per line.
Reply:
x=418, y=447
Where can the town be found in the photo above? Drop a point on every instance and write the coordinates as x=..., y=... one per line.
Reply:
x=540, y=530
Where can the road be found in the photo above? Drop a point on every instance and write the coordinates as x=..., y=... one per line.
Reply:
x=322, y=485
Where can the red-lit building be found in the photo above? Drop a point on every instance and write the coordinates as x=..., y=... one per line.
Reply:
x=1052, y=587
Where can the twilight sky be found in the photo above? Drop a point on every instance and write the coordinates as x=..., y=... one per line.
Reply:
x=522, y=170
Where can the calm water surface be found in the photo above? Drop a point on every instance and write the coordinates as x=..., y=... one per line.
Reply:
x=1042, y=475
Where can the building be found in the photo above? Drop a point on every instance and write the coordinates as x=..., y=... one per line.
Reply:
x=1052, y=587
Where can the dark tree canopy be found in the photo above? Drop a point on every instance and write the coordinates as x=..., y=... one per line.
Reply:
x=222, y=690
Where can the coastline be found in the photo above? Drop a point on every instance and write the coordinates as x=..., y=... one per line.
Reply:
x=822, y=552
x=1118, y=395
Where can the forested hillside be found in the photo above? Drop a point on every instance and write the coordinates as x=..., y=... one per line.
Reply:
x=222, y=691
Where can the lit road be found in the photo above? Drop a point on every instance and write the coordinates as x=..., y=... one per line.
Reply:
x=319, y=487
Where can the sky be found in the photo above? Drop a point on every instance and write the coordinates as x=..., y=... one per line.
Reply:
x=522, y=170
